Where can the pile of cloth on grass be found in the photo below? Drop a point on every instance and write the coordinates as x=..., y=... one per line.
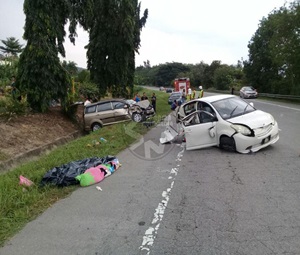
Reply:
x=84, y=172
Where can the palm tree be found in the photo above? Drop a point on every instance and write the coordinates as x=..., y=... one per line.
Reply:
x=11, y=46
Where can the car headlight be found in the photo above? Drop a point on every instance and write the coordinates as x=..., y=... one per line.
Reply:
x=244, y=130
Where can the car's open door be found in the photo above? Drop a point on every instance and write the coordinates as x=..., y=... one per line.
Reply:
x=199, y=131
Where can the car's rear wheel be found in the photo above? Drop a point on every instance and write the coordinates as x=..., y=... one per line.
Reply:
x=96, y=126
x=227, y=143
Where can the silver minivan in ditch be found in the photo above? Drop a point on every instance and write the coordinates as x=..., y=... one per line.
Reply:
x=106, y=112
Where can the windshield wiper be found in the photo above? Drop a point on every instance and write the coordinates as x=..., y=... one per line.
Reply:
x=245, y=108
x=233, y=111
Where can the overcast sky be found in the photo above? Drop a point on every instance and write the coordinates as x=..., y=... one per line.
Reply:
x=188, y=31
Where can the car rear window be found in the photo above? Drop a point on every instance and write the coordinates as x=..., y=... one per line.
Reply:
x=90, y=109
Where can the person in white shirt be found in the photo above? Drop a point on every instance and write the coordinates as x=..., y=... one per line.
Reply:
x=87, y=102
x=190, y=93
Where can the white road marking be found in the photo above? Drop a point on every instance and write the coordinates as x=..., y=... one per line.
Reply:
x=151, y=232
x=282, y=106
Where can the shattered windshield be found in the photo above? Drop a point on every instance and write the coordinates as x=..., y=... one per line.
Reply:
x=232, y=107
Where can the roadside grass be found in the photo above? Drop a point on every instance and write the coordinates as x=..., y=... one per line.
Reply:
x=20, y=204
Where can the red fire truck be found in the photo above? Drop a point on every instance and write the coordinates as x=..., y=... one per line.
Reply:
x=182, y=84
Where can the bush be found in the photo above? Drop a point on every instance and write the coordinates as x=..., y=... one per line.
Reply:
x=10, y=106
x=89, y=90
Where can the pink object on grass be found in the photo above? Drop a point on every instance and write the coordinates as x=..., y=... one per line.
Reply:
x=25, y=181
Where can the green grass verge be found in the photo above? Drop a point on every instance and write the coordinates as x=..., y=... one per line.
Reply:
x=19, y=204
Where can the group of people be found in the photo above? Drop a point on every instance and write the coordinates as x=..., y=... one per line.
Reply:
x=192, y=93
x=137, y=98
x=190, y=96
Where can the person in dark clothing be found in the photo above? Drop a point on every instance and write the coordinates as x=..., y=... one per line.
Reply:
x=144, y=97
x=153, y=101
x=232, y=90
x=174, y=105
x=15, y=92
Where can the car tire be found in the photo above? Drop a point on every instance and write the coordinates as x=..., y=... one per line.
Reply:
x=227, y=143
x=137, y=117
x=96, y=126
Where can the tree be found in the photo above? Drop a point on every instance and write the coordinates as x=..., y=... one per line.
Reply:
x=11, y=46
x=209, y=71
x=197, y=74
x=40, y=73
x=70, y=67
x=274, y=53
x=114, y=38
x=223, y=77
x=168, y=72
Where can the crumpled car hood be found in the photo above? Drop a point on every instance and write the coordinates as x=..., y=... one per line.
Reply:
x=253, y=120
x=143, y=103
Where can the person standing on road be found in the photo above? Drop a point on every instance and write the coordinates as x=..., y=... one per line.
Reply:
x=153, y=101
x=190, y=93
x=232, y=90
x=201, y=92
x=194, y=94
x=183, y=96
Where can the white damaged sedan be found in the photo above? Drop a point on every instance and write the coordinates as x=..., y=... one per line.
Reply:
x=228, y=122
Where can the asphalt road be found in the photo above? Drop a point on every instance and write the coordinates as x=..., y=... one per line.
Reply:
x=165, y=200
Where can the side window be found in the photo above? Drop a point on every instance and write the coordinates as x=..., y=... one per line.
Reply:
x=205, y=107
x=118, y=105
x=90, y=109
x=189, y=108
x=104, y=107
x=191, y=119
x=206, y=117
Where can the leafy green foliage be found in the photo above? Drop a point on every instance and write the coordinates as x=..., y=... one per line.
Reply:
x=70, y=67
x=10, y=106
x=40, y=74
x=274, y=52
x=6, y=72
x=83, y=76
x=214, y=75
x=11, y=46
x=89, y=90
x=114, y=38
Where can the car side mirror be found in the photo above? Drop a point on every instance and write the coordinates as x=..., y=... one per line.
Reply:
x=251, y=103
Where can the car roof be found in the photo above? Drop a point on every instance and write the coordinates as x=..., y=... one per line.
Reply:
x=106, y=100
x=211, y=99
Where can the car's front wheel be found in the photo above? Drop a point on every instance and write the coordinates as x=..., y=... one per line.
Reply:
x=227, y=143
x=96, y=126
x=137, y=117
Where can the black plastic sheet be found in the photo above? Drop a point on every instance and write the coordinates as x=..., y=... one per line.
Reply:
x=65, y=175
